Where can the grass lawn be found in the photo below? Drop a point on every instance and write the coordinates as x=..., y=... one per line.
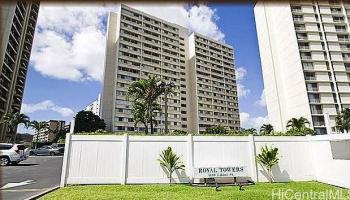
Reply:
x=260, y=191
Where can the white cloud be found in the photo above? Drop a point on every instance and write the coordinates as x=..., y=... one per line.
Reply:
x=69, y=42
x=46, y=105
x=242, y=90
x=252, y=122
x=262, y=100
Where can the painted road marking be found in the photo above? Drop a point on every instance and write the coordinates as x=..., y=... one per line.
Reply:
x=11, y=185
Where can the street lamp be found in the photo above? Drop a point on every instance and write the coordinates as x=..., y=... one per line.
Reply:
x=167, y=89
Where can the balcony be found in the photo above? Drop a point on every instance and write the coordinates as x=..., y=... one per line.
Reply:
x=312, y=89
x=336, y=12
x=308, y=68
x=317, y=112
x=338, y=20
x=296, y=10
x=318, y=123
x=340, y=30
x=314, y=101
x=296, y=19
x=343, y=39
x=346, y=58
x=304, y=47
x=306, y=57
x=310, y=78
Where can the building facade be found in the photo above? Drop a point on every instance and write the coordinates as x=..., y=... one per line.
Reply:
x=94, y=106
x=215, y=93
x=17, y=25
x=140, y=45
x=49, y=134
x=305, y=56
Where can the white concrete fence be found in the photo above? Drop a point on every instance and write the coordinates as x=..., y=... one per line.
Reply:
x=111, y=159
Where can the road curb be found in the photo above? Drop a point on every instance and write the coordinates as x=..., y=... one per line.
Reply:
x=36, y=196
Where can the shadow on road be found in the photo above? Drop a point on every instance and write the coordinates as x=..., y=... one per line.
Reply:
x=27, y=164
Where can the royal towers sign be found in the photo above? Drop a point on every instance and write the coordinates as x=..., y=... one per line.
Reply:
x=217, y=172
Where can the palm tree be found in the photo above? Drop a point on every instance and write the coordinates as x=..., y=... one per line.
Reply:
x=170, y=161
x=266, y=129
x=140, y=113
x=13, y=120
x=267, y=159
x=147, y=92
x=38, y=126
x=297, y=124
x=343, y=120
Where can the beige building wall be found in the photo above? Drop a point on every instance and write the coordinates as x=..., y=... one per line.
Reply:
x=139, y=45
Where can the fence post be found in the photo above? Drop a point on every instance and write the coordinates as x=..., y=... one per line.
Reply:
x=252, y=155
x=189, y=167
x=124, y=161
x=65, y=163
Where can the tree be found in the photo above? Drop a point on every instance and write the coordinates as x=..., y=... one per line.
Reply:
x=38, y=126
x=146, y=92
x=249, y=131
x=217, y=129
x=141, y=115
x=87, y=121
x=266, y=129
x=267, y=159
x=169, y=160
x=342, y=120
x=13, y=120
x=298, y=124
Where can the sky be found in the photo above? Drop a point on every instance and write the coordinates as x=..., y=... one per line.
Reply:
x=66, y=65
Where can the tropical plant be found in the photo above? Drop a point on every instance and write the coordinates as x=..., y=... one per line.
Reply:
x=342, y=120
x=298, y=124
x=87, y=121
x=170, y=161
x=38, y=126
x=144, y=93
x=13, y=120
x=141, y=115
x=249, y=131
x=266, y=129
x=267, y=159
x=216, y=129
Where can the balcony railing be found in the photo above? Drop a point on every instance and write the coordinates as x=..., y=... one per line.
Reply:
x=310, y=78
x=336, y=11
x=346, y=58
x=312, y=89
x=298, y=19
x=314, y=100
x=343, y=39
x=304, y=47
x=300, y=28
x=338, y=21
x=306, y=57
x=340, y=29
x=316, y=112
x=308, y=68
x=318, y=123
x=296, y=10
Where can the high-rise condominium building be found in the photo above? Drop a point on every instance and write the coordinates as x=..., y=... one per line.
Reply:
x=17, y=26
x=212, y=85
x=305, y=57
x=139, y=45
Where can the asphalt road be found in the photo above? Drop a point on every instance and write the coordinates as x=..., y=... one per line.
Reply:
x=40, y=172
